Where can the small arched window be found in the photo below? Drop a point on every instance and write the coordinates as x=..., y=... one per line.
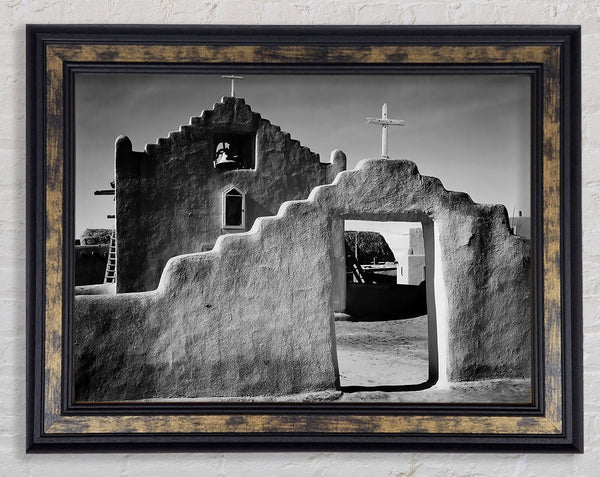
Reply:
x=234, y=208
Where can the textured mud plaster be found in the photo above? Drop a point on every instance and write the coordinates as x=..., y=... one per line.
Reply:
x=169, y=197
x=255, y=315
x=252, y=317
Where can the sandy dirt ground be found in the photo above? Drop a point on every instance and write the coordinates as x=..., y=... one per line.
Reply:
x=382, y=353
x=395, y=353
x=493, y=391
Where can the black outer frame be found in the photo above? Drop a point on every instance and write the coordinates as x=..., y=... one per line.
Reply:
x=571, y=440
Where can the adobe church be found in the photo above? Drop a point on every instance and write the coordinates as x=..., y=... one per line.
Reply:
x=214, y=176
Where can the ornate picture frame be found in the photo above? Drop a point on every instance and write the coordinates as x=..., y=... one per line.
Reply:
x=548, y=55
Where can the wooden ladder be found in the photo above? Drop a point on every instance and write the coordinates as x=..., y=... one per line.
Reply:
x=353, y=267
x=110, y=275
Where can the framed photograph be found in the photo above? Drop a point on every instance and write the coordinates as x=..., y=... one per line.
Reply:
x=270, y=238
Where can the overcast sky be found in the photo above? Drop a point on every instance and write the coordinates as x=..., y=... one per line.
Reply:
x=472, y=132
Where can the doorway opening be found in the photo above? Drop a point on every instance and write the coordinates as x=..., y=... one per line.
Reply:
x=385, y=326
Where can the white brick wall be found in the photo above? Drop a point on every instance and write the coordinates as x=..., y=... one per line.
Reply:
x=14, y=14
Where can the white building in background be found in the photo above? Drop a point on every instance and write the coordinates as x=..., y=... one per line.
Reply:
x=521, y=226
x=411, y=266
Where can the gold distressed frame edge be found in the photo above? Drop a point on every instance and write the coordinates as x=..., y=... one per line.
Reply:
x=55, y=423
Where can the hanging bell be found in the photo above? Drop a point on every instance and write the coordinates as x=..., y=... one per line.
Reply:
x=225, y=158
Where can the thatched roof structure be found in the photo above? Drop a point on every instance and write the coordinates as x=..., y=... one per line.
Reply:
x=372, y=247
x=96, y=236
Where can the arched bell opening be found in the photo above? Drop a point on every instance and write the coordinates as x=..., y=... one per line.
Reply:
x=234, y=150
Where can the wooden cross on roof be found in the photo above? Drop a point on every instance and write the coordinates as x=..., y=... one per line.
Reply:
x=385, y=122
x=232, y=78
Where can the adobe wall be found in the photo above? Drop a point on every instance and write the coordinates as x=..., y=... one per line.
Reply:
x=168, y=198
x=485, y=269
x=252, y=317
x=255, y=315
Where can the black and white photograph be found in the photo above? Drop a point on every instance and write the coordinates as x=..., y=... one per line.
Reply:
x=302, y=238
